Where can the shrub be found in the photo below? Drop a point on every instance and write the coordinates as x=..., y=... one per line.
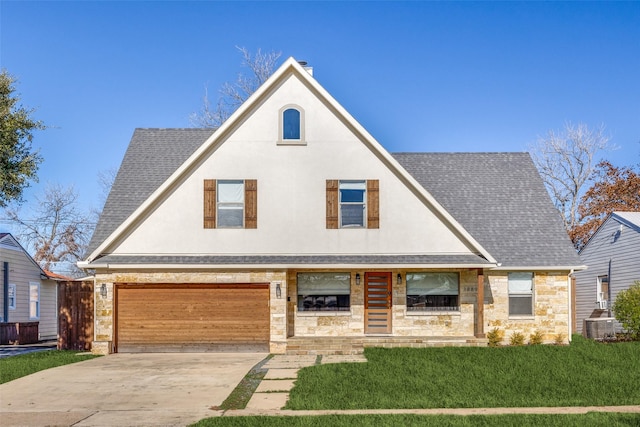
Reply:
x=516, y=339
x=495, y=337
x=627, y=309
x=559, y=339
x=536, y=338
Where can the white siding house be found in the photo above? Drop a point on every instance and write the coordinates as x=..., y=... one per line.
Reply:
x=612, y=256
x=28, y=294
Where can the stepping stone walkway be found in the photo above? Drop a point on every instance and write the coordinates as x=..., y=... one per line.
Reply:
x=273, y=392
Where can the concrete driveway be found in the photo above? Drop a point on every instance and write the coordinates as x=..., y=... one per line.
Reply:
x=168, y=389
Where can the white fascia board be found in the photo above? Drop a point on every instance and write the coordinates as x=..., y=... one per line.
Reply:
x=220, y=134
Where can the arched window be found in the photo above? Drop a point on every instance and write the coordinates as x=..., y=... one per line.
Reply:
x=291, y=124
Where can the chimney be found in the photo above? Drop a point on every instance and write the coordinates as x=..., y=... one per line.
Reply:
x=307, y=68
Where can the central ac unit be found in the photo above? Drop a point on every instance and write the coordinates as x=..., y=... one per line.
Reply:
x=602, y=304
x=598, y=328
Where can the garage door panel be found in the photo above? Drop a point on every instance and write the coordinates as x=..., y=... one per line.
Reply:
x=176, y=317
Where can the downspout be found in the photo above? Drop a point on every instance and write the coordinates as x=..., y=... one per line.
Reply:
x=609, y=313
x=5, y=291
x=570, y=320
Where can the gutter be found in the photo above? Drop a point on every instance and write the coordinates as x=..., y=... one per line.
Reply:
x=274, y=266
x=5, y=291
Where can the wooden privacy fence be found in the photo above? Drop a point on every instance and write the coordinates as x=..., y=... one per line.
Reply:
x=19, y=333
x=75, y=315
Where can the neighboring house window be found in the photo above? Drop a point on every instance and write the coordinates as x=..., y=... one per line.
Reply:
x=520, y=294
x=603, y=290
x=230, y=203
x=353, y=204
x=324, y=291
x=34, y=300
x=291, y=126
x=12, y=296
x=433, y=291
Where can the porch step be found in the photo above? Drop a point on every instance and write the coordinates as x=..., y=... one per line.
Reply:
x=356, y=345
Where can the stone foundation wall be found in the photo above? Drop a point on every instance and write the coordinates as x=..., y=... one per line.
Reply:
x=103, y=342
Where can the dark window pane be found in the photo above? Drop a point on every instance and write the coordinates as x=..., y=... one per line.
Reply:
x=230, y=217
x=520, y=305
x=432, y=302
x=352, y=215
x=291, y=124
x=323, y=302
x=352, y=196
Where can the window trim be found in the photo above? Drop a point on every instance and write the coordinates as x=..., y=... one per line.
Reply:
x=12, y=300
x=431, y=310
x=364, y=203
x=521, y=295
x=31, y=300
x=220, y=204
x=281, y=140
x=600, y=294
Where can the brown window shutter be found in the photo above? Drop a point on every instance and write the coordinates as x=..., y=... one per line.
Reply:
x=250, y=203
x=332, y=203
x=209, y=203
x=373, y=203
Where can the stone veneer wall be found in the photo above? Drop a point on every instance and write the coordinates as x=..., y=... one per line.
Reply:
x=437, y=323
x=415, y=323
x=104, y=314
x=550, y=307
x=551, y=315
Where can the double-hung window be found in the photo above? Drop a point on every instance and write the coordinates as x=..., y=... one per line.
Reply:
x=433, y=291
x=353, y=209
x=34, y=300
x=353, y=203
x=520, y=294
x=12, y=296
x=324, y=291
x=602, y=291
x=230, y=203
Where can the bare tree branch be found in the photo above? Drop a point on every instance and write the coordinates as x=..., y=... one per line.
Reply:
x=232, y=95
x=566, y=161
x=56, y=231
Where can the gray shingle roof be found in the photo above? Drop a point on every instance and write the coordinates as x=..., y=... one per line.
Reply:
x=500, y=199
x=153, y=155
x=497, y=197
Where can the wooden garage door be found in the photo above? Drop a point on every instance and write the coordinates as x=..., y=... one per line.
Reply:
x=192, y=317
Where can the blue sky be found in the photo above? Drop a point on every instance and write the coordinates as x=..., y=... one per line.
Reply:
x=420, y=76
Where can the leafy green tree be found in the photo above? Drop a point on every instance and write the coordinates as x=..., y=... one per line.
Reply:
x=18, y=161
x=627, y=309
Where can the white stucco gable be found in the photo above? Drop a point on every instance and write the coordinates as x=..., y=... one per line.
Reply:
x=291, y=180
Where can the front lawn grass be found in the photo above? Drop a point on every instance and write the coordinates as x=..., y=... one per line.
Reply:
x=15, y=367
x=377, y=420
x=585, y=373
